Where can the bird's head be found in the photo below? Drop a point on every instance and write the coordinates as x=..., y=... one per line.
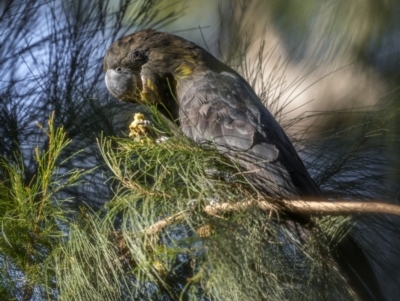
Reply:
x=146, y=61
x=146, y=66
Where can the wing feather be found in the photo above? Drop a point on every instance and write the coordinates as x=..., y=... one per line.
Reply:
x=222, y=108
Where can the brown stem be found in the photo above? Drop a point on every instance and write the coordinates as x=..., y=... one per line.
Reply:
x=158, y=226
x=340, y=207
x=236, y=207
x=297, y=206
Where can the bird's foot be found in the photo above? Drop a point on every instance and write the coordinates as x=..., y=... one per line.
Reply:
x=149, y=94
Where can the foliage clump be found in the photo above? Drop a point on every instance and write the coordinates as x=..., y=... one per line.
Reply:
x=173, y=242
x=155, y=240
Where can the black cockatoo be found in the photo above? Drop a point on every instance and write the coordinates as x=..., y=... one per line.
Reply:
x=212, y=103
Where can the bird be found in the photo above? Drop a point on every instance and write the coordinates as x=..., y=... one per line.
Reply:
x=212, y=103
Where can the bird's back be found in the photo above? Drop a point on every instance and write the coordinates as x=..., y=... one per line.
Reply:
x=222, y=108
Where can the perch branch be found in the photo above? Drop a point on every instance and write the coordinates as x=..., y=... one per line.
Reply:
x=298, y=206
x=340, y=207
x=309, y=207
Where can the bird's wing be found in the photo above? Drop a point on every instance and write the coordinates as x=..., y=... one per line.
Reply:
x=222, y=108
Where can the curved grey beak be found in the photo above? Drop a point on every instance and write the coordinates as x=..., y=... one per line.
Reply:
x=121, y=83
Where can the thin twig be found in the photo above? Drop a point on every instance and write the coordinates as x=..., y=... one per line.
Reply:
x=161, y=224
x=235, y=207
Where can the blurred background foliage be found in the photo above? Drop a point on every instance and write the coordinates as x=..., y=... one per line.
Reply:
x=328, y=70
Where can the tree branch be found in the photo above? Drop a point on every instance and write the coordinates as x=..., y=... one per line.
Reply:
x=340, y=207
x=297, y=206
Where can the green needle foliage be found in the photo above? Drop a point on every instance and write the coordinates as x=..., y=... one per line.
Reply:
x=155, y=240
x=87, y=266
x=190, y=254
x=32, y=216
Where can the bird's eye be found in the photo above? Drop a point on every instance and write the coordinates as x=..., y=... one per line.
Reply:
x=136, y=55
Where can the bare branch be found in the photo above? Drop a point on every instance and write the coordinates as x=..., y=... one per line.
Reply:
x=298, y=206
x=340, y=207
x=309, y=207
x=236, y=207
x=158, y=226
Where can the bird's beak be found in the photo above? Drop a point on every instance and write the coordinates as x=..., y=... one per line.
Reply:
x=122, y=84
